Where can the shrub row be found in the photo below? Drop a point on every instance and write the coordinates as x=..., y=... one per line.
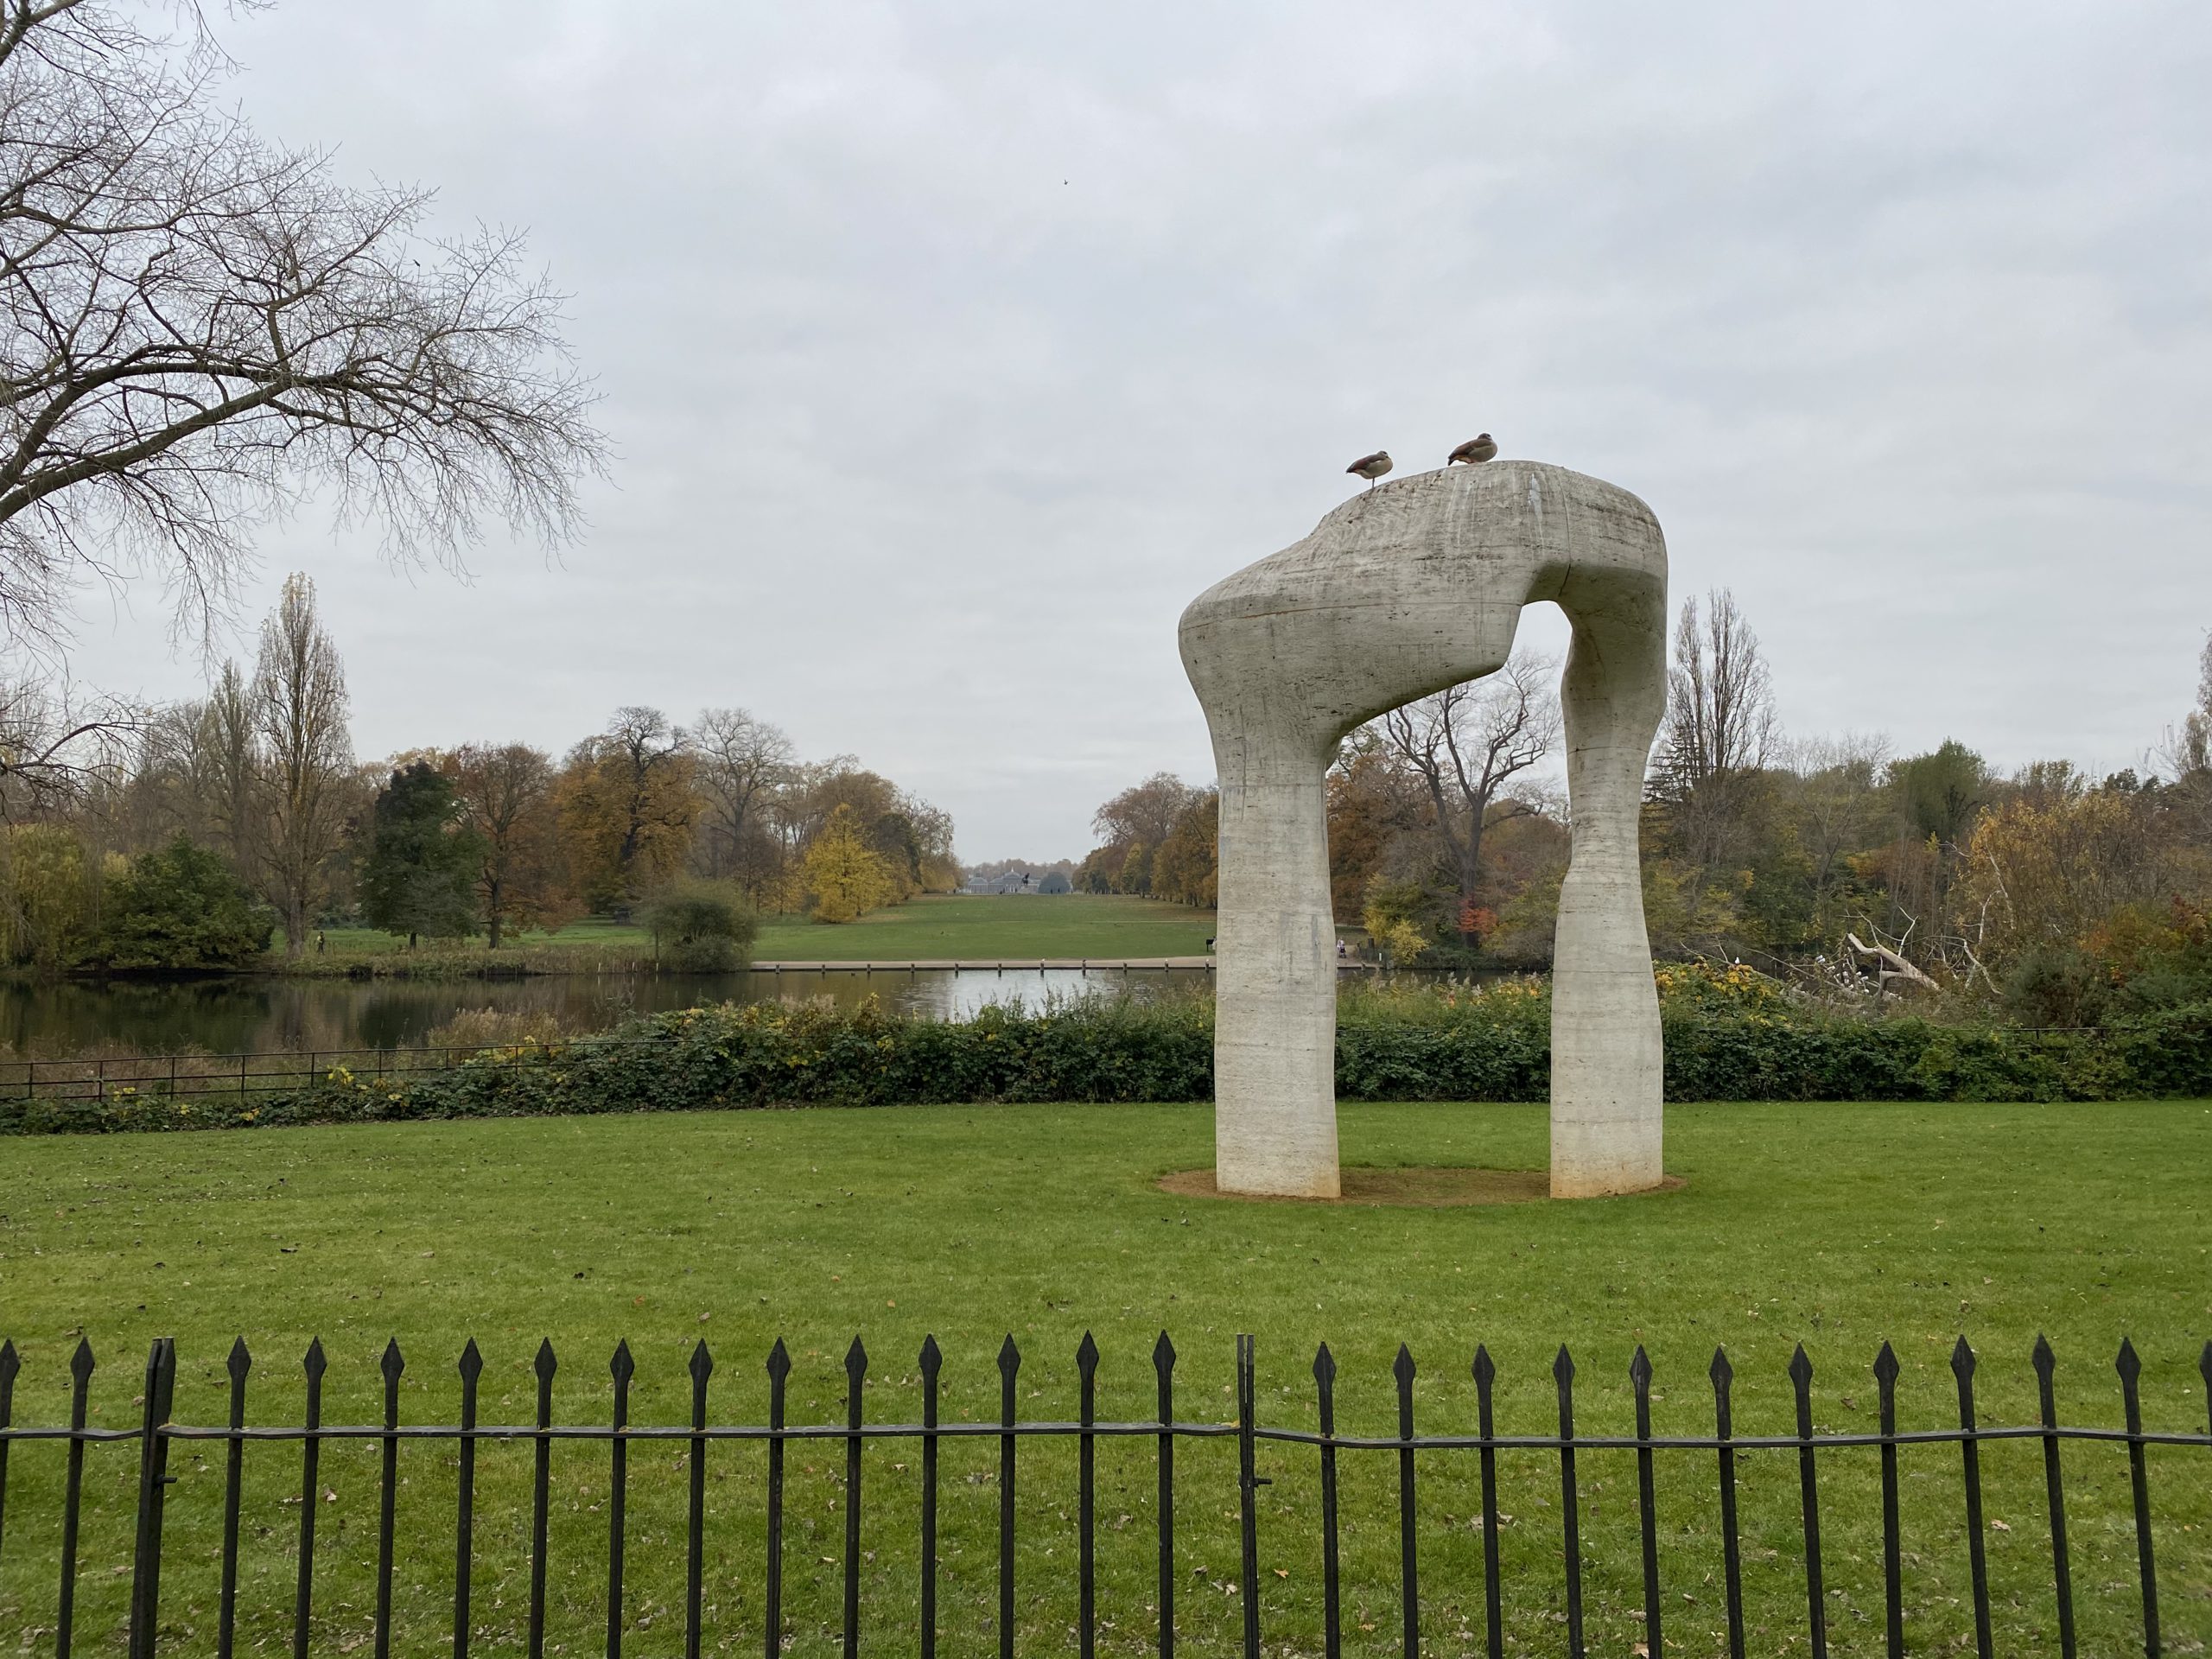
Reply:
x=1482, y=1046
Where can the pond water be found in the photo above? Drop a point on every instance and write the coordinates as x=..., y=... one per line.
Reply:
x=248, y=1015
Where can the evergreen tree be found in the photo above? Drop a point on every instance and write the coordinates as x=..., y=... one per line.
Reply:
x=179, y=909
x=420, y=875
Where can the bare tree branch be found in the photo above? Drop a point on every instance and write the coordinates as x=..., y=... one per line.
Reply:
x=53, y=747
x=198, y=329
x=743, y=760
x=1465, y=741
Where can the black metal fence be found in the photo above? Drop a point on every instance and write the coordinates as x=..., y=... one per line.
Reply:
x=157, y=1435
x=191, y=1077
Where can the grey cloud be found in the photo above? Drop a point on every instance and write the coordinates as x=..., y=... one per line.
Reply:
x=1896, y=314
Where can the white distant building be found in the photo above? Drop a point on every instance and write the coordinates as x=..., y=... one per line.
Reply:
x=1018, y=881
x=1011, y=881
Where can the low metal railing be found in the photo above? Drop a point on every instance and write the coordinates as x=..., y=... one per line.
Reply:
x=157, y=1435
x=189, y=1077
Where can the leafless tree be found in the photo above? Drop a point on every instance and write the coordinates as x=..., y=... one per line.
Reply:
x=1721, y=697
x=1720, y=730
x=1465, y=742
x=53, y=745
x=299, y=707
x=2186, y=754
x=226, y=768
x=198, y=328
x=804, y=799
x=153, y=792
x=743, y=759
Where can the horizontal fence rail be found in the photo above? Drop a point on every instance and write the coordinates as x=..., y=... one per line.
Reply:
x=155, y=1436
x=190, y=1076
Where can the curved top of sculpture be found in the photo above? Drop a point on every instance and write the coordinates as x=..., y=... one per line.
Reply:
x=1411, y=587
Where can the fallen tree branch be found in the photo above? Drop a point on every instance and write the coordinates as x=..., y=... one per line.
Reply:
x=1892, y=964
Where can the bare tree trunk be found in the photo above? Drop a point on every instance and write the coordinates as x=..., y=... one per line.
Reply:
x=1892, y=964
x=1471, y=872
x=1464, y=743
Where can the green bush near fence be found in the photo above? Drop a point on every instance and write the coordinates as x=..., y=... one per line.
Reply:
x=1727, y=1038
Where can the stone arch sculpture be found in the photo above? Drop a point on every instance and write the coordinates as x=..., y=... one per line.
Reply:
x=1405, y=589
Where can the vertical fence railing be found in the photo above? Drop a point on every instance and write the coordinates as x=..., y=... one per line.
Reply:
x=931, y=1363
x=779, y=1370
x=392, y=1365
x=239, y=1364
x=1885, y=1383
x=1009, y=1366
x=1248, y=1493
x=1163, y=1366
x=622, y=1368
x=157, y=1435
x=1086, y=1363
x=153, y=1489
x=1808, y=1506
x=1569, y=1501
x=1324, y=1386
x=65, y=1616
x=856, y=1379
x=543, y=1368
x=10, y=1364
x=1484, y=1371
x=1731, y=1553
x=2046, y=1364
x=310, y=1465
x=695, y=1560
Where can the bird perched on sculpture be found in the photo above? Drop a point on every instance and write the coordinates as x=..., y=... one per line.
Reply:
x=1475, y=451
x=1371, y=467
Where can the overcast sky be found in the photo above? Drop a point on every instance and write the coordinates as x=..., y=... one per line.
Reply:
x=949, y=349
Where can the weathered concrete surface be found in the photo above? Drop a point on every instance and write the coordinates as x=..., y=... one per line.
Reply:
x=1407, y=588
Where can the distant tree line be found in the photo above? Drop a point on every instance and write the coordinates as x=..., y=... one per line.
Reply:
x=2063, y=899
x=253, y=792
x=1158, y=839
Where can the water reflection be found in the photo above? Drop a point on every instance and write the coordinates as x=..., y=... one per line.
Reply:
x=225, y=1016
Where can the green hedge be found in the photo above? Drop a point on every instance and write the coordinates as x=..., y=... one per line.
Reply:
x=1490, y=1045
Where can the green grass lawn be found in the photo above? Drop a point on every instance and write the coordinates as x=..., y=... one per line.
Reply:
x=934, y=926
x=1071, y=924
x=1838, y=1225
x=591, y=930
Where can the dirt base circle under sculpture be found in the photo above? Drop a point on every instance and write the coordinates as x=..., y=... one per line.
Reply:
x=1430, y=1187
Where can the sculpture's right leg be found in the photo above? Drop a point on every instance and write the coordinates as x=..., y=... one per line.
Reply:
x=1607, y=1059
x=1275, y=991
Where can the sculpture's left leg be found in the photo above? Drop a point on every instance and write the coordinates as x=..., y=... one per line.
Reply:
x=1607, y=1063
x=1275, y=987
